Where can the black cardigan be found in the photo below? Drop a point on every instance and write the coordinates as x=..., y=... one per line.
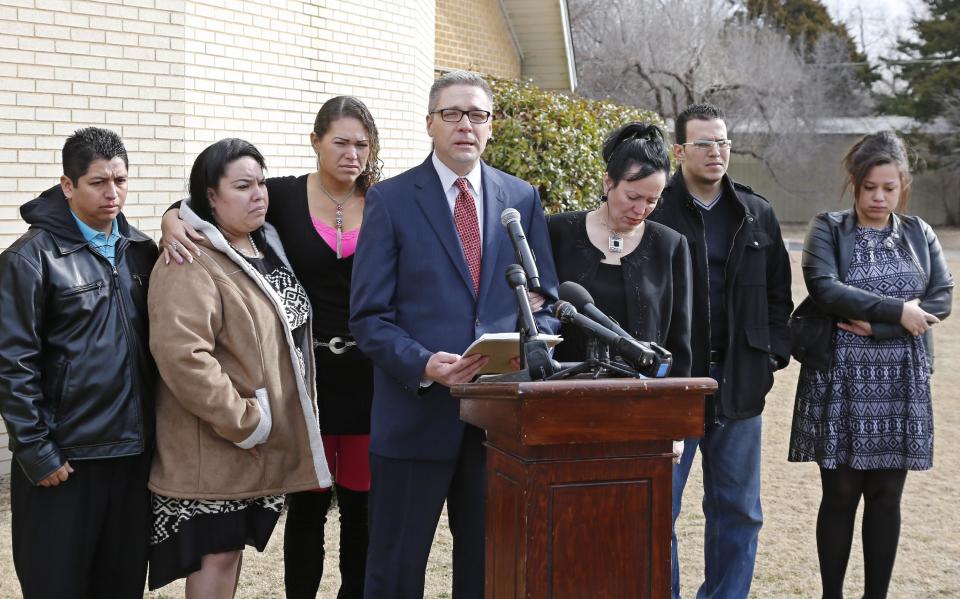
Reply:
x=656, y=281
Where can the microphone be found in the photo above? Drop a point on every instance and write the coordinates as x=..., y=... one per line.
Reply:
x=635, y=354
x=662, y=360
x=533, y=351
x=510, y=219
x=583, y=302
x=517, y=280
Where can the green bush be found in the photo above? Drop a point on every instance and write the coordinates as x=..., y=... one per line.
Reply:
x=554, y=141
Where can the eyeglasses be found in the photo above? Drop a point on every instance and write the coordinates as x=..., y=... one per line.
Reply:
x=705, y=145
x=455, y=115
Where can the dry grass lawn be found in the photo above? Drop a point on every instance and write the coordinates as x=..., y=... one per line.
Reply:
x=928, y=558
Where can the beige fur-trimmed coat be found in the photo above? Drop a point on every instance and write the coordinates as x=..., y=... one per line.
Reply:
x=230, y=380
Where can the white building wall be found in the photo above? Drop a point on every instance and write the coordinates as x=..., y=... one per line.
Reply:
x=173, y=76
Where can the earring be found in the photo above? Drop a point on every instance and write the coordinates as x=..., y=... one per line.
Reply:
x=603, y=197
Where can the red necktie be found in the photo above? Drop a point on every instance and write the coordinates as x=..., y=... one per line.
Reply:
x=465, y=218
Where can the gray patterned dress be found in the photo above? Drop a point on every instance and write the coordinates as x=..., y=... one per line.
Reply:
x=871, y=410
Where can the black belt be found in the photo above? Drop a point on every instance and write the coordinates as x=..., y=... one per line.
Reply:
x=716, y=356
x=337, y=345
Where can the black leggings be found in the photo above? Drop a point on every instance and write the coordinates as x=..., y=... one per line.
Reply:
x=303, y=542
x=842, y=489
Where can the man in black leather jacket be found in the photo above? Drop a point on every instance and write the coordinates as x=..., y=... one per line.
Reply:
x=77, y=379
x=739, y=336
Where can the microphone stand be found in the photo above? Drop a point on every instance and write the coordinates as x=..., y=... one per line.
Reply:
x=598, y=367
x=534, y=355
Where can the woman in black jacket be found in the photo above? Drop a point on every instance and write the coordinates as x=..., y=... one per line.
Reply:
x=637, y=271
x=867, y=418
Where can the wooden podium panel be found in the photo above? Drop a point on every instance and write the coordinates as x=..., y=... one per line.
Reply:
x=579, y=483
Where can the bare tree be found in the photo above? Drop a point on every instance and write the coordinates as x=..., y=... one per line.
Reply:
x=666, y=54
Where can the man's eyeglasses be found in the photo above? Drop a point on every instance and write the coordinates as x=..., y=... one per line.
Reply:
x=455, y=115
x=706, y=145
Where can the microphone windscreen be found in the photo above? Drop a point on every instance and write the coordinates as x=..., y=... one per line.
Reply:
x=516, y=276
x=508, y=216
x=575, y=294
x=564, y=311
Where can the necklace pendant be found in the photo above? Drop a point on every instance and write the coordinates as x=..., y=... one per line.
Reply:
x=338, y=221
x=253, y=246
x=615, y=243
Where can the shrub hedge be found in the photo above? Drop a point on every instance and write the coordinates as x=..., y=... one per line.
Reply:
x=554, y=140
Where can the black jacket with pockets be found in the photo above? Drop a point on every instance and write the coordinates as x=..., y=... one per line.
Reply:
x=76, y=376
x=757, y=291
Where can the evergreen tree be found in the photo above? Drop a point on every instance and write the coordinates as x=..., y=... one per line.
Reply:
x=808, y=24
x=932, y=72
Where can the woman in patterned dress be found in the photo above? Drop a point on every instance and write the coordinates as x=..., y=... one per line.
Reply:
x=237, y=424
x=867, y=419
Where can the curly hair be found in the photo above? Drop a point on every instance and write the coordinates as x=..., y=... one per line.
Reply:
x=348, y=106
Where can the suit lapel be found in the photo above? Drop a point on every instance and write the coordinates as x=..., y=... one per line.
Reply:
x=430, y=196
x=493, y=204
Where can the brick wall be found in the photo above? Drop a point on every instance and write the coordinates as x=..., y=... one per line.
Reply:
x=475, y=35
x=172, y=76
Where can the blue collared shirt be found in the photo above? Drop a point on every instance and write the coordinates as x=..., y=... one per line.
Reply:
x=103, y=245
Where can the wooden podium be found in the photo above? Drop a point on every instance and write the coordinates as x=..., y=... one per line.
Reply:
x=579, y=483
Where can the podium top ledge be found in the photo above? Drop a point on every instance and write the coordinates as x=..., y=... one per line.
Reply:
x=586, y=387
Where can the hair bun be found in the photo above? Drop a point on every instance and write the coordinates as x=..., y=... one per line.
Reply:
x=645, y=131
x=637, y=147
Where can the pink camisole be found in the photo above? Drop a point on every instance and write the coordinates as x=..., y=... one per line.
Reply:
x=329, y=235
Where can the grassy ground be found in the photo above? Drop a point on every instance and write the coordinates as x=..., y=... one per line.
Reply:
x=929, y=552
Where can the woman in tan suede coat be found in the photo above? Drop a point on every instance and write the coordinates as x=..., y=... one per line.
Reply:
x=236, y=407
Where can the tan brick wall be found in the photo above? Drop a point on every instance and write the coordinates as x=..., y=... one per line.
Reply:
x=475, y=35
x=172, y=76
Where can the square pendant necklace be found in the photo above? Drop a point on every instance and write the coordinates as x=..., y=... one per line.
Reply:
x=614, y=239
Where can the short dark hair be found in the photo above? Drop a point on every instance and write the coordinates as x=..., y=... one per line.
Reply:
x=694, y=112
x=87, y=145
x=209, y=167
x=635, y=151
x=873, y=150
x=457, y=78
x=340, y=107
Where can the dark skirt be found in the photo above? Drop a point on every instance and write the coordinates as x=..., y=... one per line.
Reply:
x=184, y=530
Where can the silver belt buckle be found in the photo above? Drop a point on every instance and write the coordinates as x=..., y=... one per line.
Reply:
x=337, y=345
